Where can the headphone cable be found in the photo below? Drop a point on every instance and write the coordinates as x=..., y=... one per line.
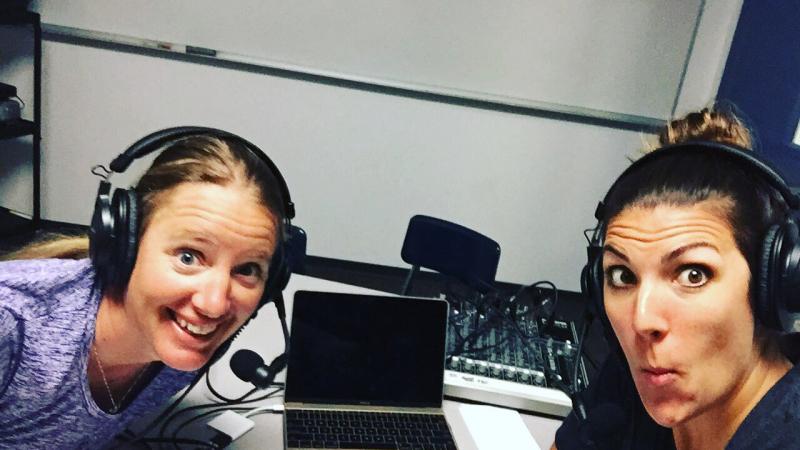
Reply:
x=167, y=410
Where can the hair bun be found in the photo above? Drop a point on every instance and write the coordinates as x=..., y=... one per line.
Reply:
x=708, y=124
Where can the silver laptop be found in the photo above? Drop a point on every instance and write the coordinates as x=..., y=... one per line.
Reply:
x=366, y=372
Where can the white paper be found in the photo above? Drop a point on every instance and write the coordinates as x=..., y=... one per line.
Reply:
x=494, y=428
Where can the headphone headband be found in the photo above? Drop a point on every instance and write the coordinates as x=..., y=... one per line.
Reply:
x=154, y=141
x=748, y=157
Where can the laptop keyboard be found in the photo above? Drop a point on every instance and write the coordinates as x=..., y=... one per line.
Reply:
x=366, y=430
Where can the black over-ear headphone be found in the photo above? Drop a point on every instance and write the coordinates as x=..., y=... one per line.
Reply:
x=114, y=231
x=777, y=279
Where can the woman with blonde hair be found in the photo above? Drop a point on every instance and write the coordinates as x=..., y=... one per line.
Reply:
x=178, y=264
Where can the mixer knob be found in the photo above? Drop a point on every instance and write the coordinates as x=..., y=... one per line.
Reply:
x=496, y=369
x=469, y=365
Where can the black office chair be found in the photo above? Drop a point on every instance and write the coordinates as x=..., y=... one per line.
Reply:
x=452, y=250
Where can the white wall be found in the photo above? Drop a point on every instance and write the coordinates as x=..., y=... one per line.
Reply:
x=567, y=52
x=358, y=163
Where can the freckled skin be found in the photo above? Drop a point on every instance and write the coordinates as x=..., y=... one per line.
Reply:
x=676, y=294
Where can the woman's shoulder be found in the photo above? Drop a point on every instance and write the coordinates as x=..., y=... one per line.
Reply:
x=35, y=286
x=21, y=269
x=775, y=421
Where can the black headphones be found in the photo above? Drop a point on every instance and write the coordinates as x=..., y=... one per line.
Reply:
x=777, y=279
x=114, y=231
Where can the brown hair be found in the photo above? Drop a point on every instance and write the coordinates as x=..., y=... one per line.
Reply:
x=707, y=125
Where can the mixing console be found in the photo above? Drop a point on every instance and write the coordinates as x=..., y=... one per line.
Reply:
x=502, y=352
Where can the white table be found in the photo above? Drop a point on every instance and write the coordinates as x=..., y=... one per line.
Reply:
x=263, y=335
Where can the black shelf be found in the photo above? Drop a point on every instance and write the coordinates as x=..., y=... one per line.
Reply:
x=14, y=17
x=17, y=128
x=11, y=224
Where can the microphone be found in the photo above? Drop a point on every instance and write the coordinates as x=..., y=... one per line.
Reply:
x=248, y=366
x=603, y=422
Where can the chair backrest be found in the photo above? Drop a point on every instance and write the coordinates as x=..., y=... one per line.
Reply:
x=452, y=250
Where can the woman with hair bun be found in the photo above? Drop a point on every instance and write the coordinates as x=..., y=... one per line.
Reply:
x=696, y=357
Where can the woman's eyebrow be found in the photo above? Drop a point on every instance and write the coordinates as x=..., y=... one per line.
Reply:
x=683, y=249
x=615, y=252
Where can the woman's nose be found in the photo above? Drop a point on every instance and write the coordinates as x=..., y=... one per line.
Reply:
x=212, y=299
x=648, y=317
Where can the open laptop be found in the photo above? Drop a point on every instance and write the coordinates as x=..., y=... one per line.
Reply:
x=366, y=372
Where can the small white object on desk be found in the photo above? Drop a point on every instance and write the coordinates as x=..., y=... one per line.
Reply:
x=493, y=428
x=232, y=424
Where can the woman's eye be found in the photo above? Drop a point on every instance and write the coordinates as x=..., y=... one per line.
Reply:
x=187, y=257
x=620, y=277
x=693, y=276
x=251, y=270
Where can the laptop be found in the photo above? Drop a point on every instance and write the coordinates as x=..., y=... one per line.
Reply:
x=366, y=372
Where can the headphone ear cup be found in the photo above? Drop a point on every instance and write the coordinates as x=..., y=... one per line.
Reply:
x=101, y=232
x=764, y=280
x=592, y=282
x=127, y=235
x=278, y=275
x=784, y=275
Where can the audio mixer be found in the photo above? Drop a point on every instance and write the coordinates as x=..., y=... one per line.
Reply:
x=504, y=353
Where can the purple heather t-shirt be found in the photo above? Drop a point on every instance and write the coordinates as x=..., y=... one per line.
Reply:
x=47, y=319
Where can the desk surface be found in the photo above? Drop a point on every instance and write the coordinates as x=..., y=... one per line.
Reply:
x=263, y=335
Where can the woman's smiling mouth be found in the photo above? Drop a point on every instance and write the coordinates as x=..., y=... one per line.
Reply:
x=199, y=331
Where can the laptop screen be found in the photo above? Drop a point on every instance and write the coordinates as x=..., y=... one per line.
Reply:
x=366, y=350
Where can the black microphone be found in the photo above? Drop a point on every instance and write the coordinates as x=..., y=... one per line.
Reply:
x=604, y=422
x=249, y=367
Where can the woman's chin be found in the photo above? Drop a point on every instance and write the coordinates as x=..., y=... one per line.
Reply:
x=184, y=361
x=668, y=415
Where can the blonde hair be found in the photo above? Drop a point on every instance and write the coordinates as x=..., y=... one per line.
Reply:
x=203, y=159
x=53, y=245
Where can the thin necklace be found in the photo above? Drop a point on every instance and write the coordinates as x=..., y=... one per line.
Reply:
x=114, y=406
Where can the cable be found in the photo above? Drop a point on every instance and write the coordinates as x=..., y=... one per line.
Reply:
x=263, y=409
x=178, y=441
x=222, y=397
x=576, y=366
x=550, y=320
x=552, y=316
x=165, y=412
x=586, y=235
x=169, y=419
x=175, y=439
